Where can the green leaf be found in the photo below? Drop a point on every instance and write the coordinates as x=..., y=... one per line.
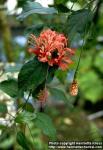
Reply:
x=51, y=73
x=62, y=8
x=32, y=74
x=90, y=86
x=44, y=122
x=99, y=61
x=3, y=108
x=25, y=117
x=21, y=3
x=35, y=7
x=58, y=94
x=7, y=142
x=29, y=107
x=22, y=141
x=78, y=22
x=10, y=87
x=59, y=27
x=34, y=29
x=57, y=2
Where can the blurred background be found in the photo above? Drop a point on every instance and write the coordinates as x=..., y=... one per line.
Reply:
x=82, y=118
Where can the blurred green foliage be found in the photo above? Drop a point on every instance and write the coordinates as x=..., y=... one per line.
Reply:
x=84, y=24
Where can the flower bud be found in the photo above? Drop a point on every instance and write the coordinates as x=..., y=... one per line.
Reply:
x=74, y=88
x=43, y=95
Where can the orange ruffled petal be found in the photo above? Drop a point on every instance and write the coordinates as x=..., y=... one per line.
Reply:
x=51, y=47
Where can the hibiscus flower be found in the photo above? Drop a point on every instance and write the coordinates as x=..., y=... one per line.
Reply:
x=51, y=47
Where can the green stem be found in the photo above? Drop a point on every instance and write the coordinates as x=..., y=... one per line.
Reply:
x=84, y=40
x=76, y=71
